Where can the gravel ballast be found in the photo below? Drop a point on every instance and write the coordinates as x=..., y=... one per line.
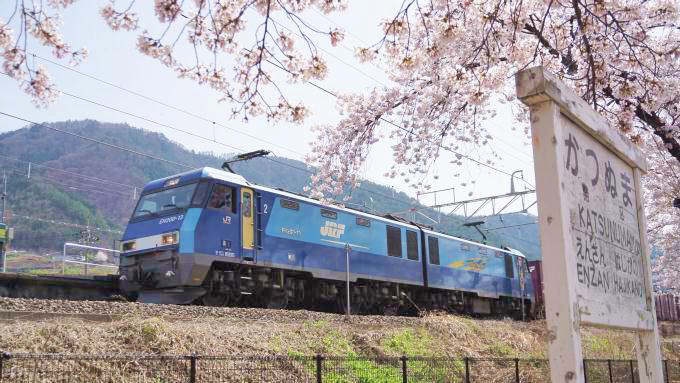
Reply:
x=147, y=310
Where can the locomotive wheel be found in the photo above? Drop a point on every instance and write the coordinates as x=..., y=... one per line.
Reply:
x=389, y=308
x=214, y=299
x=356, y=306
x=276, y=299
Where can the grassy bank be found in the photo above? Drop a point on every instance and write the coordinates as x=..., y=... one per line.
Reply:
x=432, y=335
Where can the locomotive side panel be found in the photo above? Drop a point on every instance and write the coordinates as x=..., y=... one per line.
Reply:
x=312, y=238
x=466, y=267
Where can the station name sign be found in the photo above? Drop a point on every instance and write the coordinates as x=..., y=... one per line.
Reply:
x=592, y=226
x=605, y=236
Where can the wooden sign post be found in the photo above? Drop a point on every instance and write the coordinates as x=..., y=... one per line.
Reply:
x=592, y=226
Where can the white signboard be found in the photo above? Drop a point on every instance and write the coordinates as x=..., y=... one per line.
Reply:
x=605, y=235
x=592, y=227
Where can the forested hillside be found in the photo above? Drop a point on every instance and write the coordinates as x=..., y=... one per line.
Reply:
x=76, y=181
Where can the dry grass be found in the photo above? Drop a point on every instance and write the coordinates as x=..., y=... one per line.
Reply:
x=432, y=335
x=249, y=332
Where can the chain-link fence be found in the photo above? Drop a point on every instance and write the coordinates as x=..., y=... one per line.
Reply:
x=63, y=368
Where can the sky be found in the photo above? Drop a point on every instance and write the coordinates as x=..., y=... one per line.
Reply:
x=113, y=57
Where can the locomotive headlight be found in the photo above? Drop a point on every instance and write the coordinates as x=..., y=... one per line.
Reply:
x=170, y=238
x=129, y=246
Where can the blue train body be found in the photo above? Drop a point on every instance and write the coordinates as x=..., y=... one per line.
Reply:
x=210, y=235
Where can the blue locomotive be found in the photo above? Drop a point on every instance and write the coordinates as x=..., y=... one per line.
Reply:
x=212, y=237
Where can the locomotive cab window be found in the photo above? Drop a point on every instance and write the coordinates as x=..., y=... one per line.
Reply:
x=222, y=197
x=524, y=265
x=393, y=241
x=509, y=272
x=329, y=214
x=246, y=205
x=433, y=245
x=200, y=194
x=154, y=203
x=361, y=221
x=288, y=204
x=411, y=245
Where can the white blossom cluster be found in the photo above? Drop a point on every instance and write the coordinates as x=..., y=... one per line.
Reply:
x=215, y=27
x=662, y=187
x=211, y=27
x=119, y=20
x=451, y=60
x=43, y=27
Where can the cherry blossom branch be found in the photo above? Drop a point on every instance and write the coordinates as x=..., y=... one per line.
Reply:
x=208, y=25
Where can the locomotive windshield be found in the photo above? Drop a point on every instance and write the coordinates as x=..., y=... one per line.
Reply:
x=169, y=199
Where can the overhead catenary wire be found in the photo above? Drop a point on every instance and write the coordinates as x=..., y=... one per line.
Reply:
x=62, y=223
x=358, y=38
x=187, y=166
x=164, y=160
x=62, y=182
x=84, y=187
x=208, y=139
x=410, y=132
x=172, y=162
x=270, y=159
x=368, y=76
x=221, y=125
x=511, y=226
x=169, y=106
x=141, y=117
x=87, y=177
x=379, y=82
x=69, y=186
x=161, y=159
x=96, y=141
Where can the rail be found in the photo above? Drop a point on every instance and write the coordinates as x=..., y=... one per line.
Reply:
x=85, y=264
x=22, y=367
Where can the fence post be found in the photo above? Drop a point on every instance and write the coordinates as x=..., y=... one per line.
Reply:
x=665, y=370
x=318, y=358
x=192, y=368
x=467, y=369
x=3, y=356
x=516, y=370
x=609, y=365
x=585, y=371
x=404, y=373
x=632, y=371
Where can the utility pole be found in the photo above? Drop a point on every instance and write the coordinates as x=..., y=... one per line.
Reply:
x=4, y=194
x=3, y=246
x=347, y=250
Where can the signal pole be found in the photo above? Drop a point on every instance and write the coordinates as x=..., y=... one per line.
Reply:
x=3, y=256
x=347, y=250
x=4, y=194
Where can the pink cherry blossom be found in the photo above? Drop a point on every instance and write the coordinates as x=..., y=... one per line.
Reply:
x=6, y=37
x=119, y=20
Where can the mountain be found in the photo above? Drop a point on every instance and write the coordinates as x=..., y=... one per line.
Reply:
x=76, y=183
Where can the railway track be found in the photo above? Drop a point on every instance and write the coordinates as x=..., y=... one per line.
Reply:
x=27, y=310
x=28, y=297
x=21, y=285
x=10, y=315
